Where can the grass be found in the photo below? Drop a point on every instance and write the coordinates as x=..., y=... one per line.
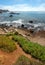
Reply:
x=22, y=60
x=7, y=44
x=9, y=34
x=36, y=50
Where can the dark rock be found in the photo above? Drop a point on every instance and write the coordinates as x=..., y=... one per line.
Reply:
x=31, y=31
x=1, y=11
x=11, y=16
x=22, y=25
x=14, y=13
x=30, y=21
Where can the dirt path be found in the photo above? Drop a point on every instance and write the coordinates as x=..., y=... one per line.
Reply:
x=10, y=58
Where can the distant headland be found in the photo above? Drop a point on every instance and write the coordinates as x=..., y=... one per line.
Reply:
x=1, y=10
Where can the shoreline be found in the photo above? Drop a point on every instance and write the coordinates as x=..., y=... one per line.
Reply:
x=37, y=37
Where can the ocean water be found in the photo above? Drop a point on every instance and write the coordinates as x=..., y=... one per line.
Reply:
x=25, y=17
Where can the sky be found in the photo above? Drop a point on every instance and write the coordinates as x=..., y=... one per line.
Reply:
x=23, y=5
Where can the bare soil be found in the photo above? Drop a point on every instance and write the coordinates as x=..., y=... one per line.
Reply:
x=11, y=58
x=38, y=37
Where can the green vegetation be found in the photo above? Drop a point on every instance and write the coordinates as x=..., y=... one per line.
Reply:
x=22, y=61
x=16, y=33
x=36, y=50
x=26, y=61
x=9, y=34
x=7, y=44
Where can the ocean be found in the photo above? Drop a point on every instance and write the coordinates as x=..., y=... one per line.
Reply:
x=25, y=17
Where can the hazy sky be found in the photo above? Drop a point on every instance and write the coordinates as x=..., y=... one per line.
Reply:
x=23, y=5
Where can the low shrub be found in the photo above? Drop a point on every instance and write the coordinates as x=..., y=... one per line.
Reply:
x=16, y=33
x=29, y=47
x=9, y=34
x=7, y=44
x=22, y=60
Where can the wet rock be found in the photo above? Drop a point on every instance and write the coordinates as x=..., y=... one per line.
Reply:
x=30, y=21
x=11, y=16
x=22, y=26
